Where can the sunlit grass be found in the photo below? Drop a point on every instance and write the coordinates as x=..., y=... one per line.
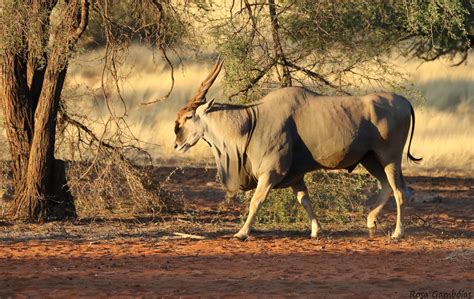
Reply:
x=443, y=86
x=445, y=140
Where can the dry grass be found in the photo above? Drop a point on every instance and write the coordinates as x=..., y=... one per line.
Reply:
x=445, y=140
x=444, y=87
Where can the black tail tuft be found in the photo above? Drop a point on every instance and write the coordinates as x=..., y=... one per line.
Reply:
x=416, y=160
x=409, y=155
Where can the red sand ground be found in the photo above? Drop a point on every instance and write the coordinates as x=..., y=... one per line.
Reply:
x=436, y=256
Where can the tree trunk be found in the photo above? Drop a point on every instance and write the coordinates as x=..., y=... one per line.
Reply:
x=41, y=191
x=18, y=112
x=32, y=91
x=46, y=194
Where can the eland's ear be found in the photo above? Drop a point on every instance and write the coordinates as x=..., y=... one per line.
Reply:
x=204, y=108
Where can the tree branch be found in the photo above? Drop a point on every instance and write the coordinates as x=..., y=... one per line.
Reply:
x=279, y=54
x=168, y=61
x=66, y=118
x=161, y=45
x=83, y=20
x=316, y=76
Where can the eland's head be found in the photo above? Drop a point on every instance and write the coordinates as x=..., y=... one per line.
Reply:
x=188, y=125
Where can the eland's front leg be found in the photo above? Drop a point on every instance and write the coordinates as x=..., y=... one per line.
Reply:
x=264, y=186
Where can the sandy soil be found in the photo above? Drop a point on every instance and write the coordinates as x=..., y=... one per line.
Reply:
x=143, y=257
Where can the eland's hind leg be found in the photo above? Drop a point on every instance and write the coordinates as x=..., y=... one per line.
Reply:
x=373, y=166
x=393, y=170
x=301, y=192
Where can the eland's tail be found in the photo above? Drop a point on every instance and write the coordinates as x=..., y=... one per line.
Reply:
x=409, y=155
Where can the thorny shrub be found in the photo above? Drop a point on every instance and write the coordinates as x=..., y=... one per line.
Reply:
x=118, y=188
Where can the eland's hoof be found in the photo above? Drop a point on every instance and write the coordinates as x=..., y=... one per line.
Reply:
x=371, y=223
x=372, y=231
x=397, y=234
x=241, y=237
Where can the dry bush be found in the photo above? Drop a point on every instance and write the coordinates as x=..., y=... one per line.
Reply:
x=116, y=187
x=109, y=172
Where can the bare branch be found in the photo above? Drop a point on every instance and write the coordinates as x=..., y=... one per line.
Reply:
x=251, y=16
x=83, y=20
x=316, y=76
x=279, y=54
x=66, y=118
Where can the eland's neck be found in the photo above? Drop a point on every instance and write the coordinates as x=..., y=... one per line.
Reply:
x=229, y=125
x=229, y=131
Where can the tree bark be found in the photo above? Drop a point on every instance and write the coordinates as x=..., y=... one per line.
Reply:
x=18, y=115
x=41, y=191
x=46, y=195
x=32, y=93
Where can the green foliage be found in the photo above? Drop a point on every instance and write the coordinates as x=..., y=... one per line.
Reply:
x=440, y=27
x=335, y=197
x=137, y=21
x=362, y=28
x=22, y=29
x=246, y=54
x=240, y=67
x=337, y=47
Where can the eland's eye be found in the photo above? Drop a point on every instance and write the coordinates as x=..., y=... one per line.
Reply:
x=176, y=127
